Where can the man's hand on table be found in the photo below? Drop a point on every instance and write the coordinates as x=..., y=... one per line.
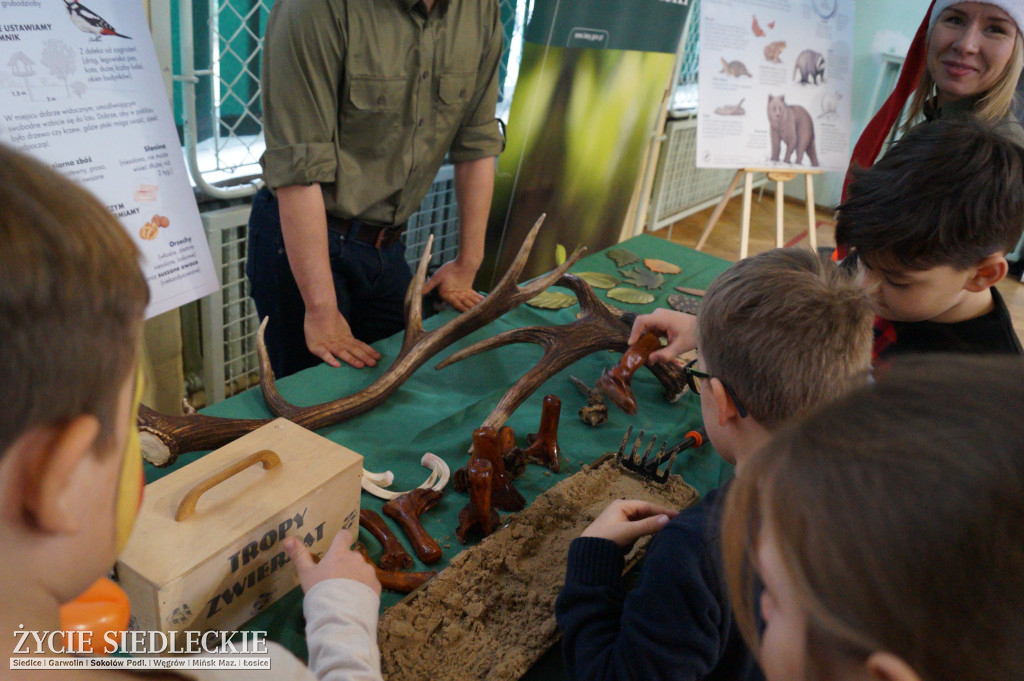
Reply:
x=626, y=520
x=329, y=337
x=340, y=562
x=454, y=281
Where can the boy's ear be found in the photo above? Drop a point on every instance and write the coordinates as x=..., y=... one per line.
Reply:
x=987, y=273
x=882, y=666
x=724, y=405
x=51, y=457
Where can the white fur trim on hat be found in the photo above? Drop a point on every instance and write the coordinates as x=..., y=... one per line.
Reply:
x=1015, y=8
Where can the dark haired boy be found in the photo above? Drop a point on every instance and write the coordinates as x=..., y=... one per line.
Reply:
x=777, y=334
x=930, y=225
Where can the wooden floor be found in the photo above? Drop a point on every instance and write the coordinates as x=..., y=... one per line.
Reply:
x=724, y=241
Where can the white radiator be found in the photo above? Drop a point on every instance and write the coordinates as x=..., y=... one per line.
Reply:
x=680, y=187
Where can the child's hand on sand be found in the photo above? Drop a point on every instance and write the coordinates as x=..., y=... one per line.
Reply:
x=340, y=561
x=626, y=520
x=678, y=327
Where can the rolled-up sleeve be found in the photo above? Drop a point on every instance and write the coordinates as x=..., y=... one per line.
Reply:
x=303, y=57
x=479, y=135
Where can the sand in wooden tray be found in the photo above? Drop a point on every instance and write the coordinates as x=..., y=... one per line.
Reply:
x=490, y=613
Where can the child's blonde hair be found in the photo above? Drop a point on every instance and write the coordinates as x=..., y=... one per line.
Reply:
x=785, y=330
x=72, y=298
x=899, y=515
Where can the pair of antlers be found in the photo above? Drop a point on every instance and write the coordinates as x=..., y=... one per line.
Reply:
x=165, y=437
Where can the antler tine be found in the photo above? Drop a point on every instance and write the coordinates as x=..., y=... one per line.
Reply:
x=277, y=405
x=540, y=335
x=414, y=299
x=516, y=268
x=584, y=293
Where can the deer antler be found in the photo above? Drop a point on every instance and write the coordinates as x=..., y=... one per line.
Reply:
x=169, y=436
x=597, y=328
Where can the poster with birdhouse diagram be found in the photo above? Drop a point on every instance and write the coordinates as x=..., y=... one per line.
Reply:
x=82, y=91
x=775, y=83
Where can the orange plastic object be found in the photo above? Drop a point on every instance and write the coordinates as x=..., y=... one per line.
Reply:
x=101, y=608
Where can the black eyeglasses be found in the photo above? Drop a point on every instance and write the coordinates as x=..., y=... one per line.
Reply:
x=691, y=380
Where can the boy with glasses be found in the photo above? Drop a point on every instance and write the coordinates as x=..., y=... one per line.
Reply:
x=777, y=334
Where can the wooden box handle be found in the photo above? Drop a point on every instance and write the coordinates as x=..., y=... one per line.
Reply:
x=187, y=507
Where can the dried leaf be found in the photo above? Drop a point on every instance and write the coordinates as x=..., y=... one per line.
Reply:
x=631, y=295
x=699, y=292
x=644, y=278
x=622, y=257
x=598, y=279
x=551, y=300
x=661, y=266
x=559, y=255
x=684, y=303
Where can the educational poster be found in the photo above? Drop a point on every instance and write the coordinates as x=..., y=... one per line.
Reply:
x=775, y=84
x=591, y=83
x=82, y=91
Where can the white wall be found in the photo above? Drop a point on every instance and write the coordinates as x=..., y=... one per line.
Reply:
x=878, y=25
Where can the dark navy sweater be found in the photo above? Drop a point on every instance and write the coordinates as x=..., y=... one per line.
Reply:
x=676, y=624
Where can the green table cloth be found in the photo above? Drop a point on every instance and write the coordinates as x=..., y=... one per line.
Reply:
x=437, y=411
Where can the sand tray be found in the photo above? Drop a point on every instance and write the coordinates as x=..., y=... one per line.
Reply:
x=490, y=613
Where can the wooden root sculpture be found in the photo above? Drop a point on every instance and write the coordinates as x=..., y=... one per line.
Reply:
x=597, y=328
x=616, y=383
x=478, y=518
x=504, y=495
x=395, y=557
x=164, y=437
x=406, y=511
x=394, y=580
x=544, y=448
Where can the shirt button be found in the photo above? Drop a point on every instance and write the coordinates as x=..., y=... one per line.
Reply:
x=425, y=75
x=421, y=122
x=462, y=92
x=382, y=100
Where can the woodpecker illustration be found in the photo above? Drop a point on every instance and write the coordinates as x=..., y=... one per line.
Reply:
x=90, y=22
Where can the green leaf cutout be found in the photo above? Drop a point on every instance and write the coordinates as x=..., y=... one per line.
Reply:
x=631, y=295
x=559, y=254
x=550, y=300
x=644, y=278
x=598, y=279
x=622, y=257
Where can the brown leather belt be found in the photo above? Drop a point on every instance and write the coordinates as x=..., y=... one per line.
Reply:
x=377, y=236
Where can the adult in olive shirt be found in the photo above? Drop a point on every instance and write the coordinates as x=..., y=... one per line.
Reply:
x=361, y=102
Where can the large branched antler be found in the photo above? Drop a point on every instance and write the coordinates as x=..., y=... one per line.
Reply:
x=165, y=437
x=597, y=328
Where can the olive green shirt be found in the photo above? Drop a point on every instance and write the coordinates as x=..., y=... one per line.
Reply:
x=366, y=97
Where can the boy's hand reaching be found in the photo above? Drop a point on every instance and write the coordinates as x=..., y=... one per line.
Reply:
x=678, y=327
x=340, y=561
x=626, y=520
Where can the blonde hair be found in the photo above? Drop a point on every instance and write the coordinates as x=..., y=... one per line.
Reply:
x=992, y=106
x=785, y=330
x=72, y=297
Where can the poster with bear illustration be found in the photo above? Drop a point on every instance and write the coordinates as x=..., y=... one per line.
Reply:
x=775, y=83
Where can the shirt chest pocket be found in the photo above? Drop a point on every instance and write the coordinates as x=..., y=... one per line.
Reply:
x=373, y=111
x=454, y=92
x=370, y=93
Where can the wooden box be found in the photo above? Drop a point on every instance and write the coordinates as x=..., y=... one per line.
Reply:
x=218, y=566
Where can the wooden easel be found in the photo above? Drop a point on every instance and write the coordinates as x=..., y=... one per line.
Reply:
x=779, y=176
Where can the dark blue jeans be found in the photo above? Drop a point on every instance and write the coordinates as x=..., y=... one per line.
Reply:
x=370, y=284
